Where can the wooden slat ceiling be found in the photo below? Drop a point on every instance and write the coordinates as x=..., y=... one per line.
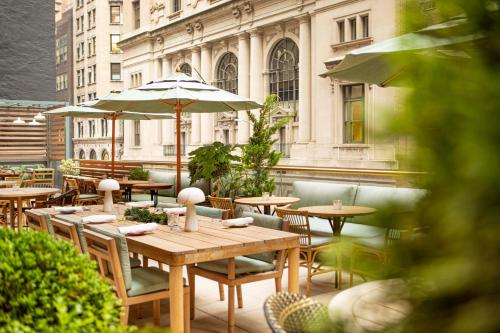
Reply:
x=25, y=142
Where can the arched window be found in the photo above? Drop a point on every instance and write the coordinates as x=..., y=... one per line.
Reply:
x=93, y=155
x=186, y=69
x=227, y=73
x=105, y=155
x=284, y=71
x=81, y=154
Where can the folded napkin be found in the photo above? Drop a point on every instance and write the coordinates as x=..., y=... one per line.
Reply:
x=177, y=210
x=140, y=204
x=138, y=228
x=240, y=222
x=99, y=218
x=66, y=208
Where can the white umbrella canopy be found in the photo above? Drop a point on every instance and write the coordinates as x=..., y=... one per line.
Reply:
x=175, y=94
x=381, y=64
x=83, y=111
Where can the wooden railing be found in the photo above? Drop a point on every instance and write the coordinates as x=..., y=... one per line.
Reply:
x=97, y=169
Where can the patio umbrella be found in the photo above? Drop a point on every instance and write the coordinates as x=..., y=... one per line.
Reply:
x=84, y=111
x=378, y=63
x=175, y=94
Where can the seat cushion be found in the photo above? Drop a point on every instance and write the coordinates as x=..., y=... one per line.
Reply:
x=135, y=262
x=322, y=240
x=147, y=197
x=122, y=248
x=88, y=196
x=215, y=213
x=163, y=177
x=316, y=193
x=244, y=265
x=264, y=221
x=148, y=280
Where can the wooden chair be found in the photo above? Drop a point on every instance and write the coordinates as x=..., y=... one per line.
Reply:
x=16, y=179
x=310, y=245
x=43, y=176
x=64, y=199
x=235, y=272
x=225, y=204
x=66, y=231
x=38, y=221
x=4, y=207
x=133, y=286
x=82, y=199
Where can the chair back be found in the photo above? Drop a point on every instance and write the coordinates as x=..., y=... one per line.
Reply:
x=66, y=231
x=296, y=221
x=45, y=176
x=42, y=185
x=223, y=203
x=39, y=221
x=28, y=183
x=77, y=222
x=103, y=250
x=72, y=184
x=16, y=179
x=67, y=198
x=214, y=213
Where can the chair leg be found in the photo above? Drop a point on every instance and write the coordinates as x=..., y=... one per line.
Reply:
x=230, y=309
x=309, y=274
x=160, y=265
x=240, y=296
x=277, y=283
x=156, y=312
x=221, y=291
x=192, y=288
x=124, y=318
x=187, y=310
x=145, y=261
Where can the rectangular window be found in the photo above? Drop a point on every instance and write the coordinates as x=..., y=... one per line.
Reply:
x=115, y=38
x=354, y=113
x=93, y=45
x=91, y=128
x=137, y=133
x=352, y=27
x=115, y=12
x=116, y=71
x=366, y=26
x=176, y=5
x=94, y=71
x=90, y=74
x=341, y=28
x=137, y=14
x=104, y=127
x=89, y=19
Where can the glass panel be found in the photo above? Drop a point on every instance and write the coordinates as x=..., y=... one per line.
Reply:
x=114, y=43
x=115, y=71
x=357, y=132
x=115, y=14
x=357, y=111
x=356, y=91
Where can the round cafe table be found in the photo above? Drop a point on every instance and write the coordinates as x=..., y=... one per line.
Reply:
x=266, y=202
x=153, y=189
x=18, y=195
x=334, y=215
x=127, y=186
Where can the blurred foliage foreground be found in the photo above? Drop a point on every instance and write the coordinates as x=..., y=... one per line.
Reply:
x=452, y=115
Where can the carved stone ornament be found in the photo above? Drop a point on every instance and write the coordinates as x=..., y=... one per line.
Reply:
x=189, y=28
x=236, y=12
x=159, y=40
x=198, y=25
x=247, y=7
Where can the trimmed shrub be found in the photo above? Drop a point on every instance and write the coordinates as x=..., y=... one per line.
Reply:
x=138, y=174
x=46, y=286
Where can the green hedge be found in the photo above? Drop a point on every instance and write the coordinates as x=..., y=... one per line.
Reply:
x=46, y=286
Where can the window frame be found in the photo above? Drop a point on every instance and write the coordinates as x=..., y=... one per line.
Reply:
x=341, y=31
x=352, y=28
x=283, y=78
x=136, y=10
x=118, y=50
x=111, y=14
x=111, y=71
x=365, y=26
x=137, y=133
x=347, y=122
x=227, y=61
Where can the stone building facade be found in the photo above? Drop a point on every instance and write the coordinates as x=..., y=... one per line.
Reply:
x=259, y=47
x=97, y=28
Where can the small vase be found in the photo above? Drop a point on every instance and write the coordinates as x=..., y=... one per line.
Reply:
x=191, y=218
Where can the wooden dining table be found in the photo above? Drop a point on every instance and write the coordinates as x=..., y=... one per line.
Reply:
x=17, y=195
x=266, y=202
x=334, y=215
x=212, y=241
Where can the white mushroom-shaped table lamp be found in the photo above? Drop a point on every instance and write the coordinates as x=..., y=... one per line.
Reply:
x=189, y=197
x=108, y=186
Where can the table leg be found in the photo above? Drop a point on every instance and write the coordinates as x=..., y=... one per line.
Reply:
x=293, y=269
x=12, y=209
x=267, y=210
x=20, y=222
x=335, y=224
x=176, y=299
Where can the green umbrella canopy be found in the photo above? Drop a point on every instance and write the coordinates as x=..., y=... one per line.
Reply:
x=381, y=64
x=161, y=97
x=88, y=112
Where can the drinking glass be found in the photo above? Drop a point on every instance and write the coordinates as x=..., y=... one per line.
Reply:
x=173, y=221
x=337, y=204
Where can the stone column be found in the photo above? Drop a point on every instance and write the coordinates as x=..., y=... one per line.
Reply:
x=207, y=119
x=195, y=117
x=158, y=68
x=304, y=79
x=256, y=69
x=243, y=85
x=169, y=124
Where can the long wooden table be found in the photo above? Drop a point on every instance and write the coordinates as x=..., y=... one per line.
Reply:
x=212, y=242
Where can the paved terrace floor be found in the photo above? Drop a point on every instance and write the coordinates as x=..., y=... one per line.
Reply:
x=211, y=314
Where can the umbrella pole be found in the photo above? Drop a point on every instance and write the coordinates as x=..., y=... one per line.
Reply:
x=113, y=139
x=178, y=108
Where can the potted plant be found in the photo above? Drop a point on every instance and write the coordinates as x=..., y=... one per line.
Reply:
x=214, y=163
x=138, y=174
x=68, y=168
x=259, y=156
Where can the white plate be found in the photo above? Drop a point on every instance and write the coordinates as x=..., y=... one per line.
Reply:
x=67, y=210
